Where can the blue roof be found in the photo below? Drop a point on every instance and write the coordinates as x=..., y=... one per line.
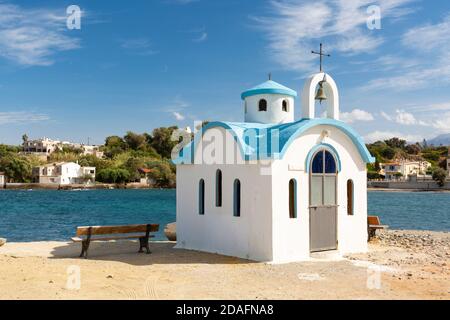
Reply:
x=263, y=134
x=270, y=87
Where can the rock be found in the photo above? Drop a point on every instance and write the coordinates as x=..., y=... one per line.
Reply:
x=171, y=231
x=2, y=241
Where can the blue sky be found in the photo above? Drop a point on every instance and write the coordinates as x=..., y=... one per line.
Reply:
x=136, y=65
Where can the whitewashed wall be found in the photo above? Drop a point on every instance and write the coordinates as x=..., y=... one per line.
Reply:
x=264, y=232
x=274, y=113
x=291, y=236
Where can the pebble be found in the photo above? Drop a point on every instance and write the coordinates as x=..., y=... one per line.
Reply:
x=2, y=241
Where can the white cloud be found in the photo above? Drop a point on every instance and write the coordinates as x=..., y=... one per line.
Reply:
x=22, y=117
x=431, y=44
x=31, y=37
x=178, y=116
x=356, y=115
x=295, y=27
x=406, y=118
x=429, y=37
x=384, y=135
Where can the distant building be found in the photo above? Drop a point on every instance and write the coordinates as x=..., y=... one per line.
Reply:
x=44, y=147
x=2, y=179
x=63, y=173
x=448, y=162
x=401, y=169
x=145, y=176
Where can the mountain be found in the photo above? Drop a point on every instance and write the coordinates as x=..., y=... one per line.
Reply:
x=443, y=139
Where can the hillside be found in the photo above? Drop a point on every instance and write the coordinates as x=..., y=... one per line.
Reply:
x=441, y=140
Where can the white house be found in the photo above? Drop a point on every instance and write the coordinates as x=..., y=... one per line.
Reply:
x=63, y=173
x=401, y=169
x=273, y=188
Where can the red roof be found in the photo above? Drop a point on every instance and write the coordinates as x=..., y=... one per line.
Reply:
x=145, y=170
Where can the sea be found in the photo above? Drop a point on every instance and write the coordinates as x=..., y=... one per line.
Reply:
x=51, y=215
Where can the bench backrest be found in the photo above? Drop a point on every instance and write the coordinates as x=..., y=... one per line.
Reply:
x=84, y=231
x=373, y=220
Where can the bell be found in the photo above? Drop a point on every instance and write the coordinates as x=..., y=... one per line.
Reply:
x=320, y=95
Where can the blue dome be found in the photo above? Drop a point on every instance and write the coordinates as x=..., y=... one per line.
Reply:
x=270, y=87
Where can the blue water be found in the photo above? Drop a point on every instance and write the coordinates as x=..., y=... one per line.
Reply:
x=411, y=210
x=54, y=215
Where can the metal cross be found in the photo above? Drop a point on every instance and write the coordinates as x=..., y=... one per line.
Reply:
x=321, y=54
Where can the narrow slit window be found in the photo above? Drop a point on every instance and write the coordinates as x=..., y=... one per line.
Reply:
x=201, y=197
x=285, y=106
x=292, y=199
x=237, y=198
x=350, y=197
x=218, y=188
x=262, y=106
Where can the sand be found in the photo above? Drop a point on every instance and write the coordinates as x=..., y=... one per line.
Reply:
x=391, y=270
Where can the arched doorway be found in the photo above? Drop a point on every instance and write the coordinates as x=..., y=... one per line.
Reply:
x=323, y=201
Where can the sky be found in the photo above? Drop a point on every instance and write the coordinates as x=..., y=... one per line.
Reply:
x=141, y=64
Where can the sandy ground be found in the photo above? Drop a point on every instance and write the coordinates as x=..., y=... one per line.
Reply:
x=394, y=268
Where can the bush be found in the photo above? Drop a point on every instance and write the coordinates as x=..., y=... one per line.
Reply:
x=440, y=175
x=113, y=175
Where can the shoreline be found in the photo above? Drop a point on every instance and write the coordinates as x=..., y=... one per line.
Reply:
x=408, y=264
x=131, y=186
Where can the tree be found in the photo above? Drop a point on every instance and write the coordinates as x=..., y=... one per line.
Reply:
x=113, y=175
x=135, y=141
x=162, y=141
x=16, y=168
x=396, y=143
x=132, y=165
x=413, y=149
x=25, y=138
x=113, y=146
x=388, y=153
x=163, y=174
x=440, y=175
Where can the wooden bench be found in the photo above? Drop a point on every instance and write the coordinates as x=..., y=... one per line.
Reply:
x=86, y=235
x=374, y=224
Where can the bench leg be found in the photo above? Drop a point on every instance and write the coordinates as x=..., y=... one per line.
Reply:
x=84, y=249
x=143, y=243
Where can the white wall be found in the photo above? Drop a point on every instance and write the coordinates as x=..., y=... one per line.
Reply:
x=274, y=113
x=291, y=236
x=264, y=232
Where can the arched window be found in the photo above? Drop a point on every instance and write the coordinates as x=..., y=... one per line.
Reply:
x=218, y=188
x=285, y=106
x=237, y=198
x=350, y=197
x=201, y=197
x=292, y=199
x=262, y=105
x=323, y=179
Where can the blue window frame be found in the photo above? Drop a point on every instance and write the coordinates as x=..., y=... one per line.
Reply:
x=324, y=162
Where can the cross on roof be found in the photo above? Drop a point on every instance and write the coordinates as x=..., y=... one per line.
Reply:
x=321, y=54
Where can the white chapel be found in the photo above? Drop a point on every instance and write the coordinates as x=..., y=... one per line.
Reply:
x=273, y=188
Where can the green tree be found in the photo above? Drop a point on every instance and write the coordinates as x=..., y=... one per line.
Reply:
x=24, y=137
x=17, y=169
x=113, y=175
x=135, y=141
x=162, y=141
x=396, y=143
x=114, y=145
x=163, y=174
x=440, y=175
